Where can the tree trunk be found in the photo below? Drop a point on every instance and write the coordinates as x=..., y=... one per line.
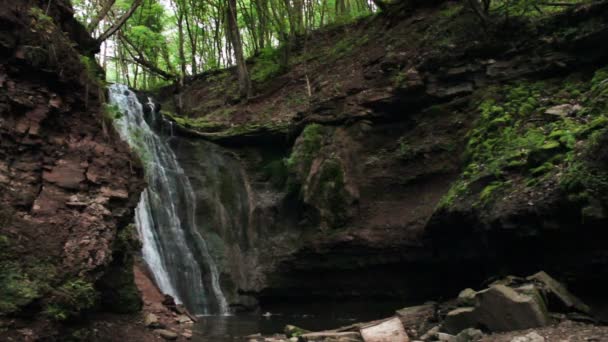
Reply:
x=235, y=37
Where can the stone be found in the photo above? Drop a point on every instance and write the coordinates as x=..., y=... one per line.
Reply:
x=67, y=174
x=183, y=319
x=469, y=335
x=114, y=193
x=415, y=315
x=167, y=334
x=466, y=297
x=530, y=337
x=558, y=296
x=563, y=110
x=430, y=334
x=390, y=330
x=293, y=331
x=459, y=319
x=330, y=336
x=446, y=337
x=151, y=320
x=501, y=308
x=187, y=334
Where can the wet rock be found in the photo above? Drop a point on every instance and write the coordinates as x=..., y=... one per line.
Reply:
x=460, y=319
x=446, y=337
x=558, y=296
x=450, y=91
x=167, y=334
x=531, y=337
x=183, y=319
x=430, y=334
x=501, y=308
x=187, y=334
x=330, y=336
x=466, y=297
x=390, y=330
x=469, y=335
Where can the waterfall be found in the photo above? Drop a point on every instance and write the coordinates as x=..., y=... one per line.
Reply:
x=173, y=247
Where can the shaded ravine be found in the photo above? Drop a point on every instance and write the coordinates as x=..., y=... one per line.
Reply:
x=173, y=249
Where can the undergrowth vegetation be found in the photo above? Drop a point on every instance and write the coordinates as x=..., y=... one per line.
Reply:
x=534, y=133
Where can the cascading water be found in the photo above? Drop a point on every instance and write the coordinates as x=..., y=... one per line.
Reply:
x=173, y=248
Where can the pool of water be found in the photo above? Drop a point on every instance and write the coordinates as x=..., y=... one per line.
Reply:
x=315, y=317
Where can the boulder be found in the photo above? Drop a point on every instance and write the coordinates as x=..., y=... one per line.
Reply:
x=390, y=330
x=167, y=334
x=469, y=335
x=460, y=319
x=446, y=337
x=151, y=320
x=416, y=319
x=331, y=336
x=558, y=297
x=466, y=297
x=501, y=308
x=530, y=337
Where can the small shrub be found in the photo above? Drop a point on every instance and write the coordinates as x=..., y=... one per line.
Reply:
x=267, y=65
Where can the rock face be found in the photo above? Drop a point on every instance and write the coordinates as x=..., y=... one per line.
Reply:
x=382, y=175
x=413, y=170
x=68, y=186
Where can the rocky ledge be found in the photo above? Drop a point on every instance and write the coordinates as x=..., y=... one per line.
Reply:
x=403, y=164
x=68, y=185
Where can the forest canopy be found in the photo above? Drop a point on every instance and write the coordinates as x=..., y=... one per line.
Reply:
x=149, y=43
x=166, y=40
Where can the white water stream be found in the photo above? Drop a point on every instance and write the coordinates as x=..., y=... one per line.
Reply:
x=173, y=247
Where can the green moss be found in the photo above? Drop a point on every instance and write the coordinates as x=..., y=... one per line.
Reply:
x=346, y=46
x=330, y=195
x=276, y=172
x=112, y=112
x=305, y=150
x=23, y=279
x=71, y=299
x=490, y=190
x=117, y=289
x=17, y=287
x=513, y=136
x=42, y=22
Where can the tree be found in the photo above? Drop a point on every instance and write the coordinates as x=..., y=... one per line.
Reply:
x=235, y=38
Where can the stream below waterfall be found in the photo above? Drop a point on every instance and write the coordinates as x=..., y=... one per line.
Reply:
x=310, y=316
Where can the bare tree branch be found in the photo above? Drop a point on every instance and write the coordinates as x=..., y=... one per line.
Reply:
x=141, y=60
x=105, y=9
x=109, y=32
